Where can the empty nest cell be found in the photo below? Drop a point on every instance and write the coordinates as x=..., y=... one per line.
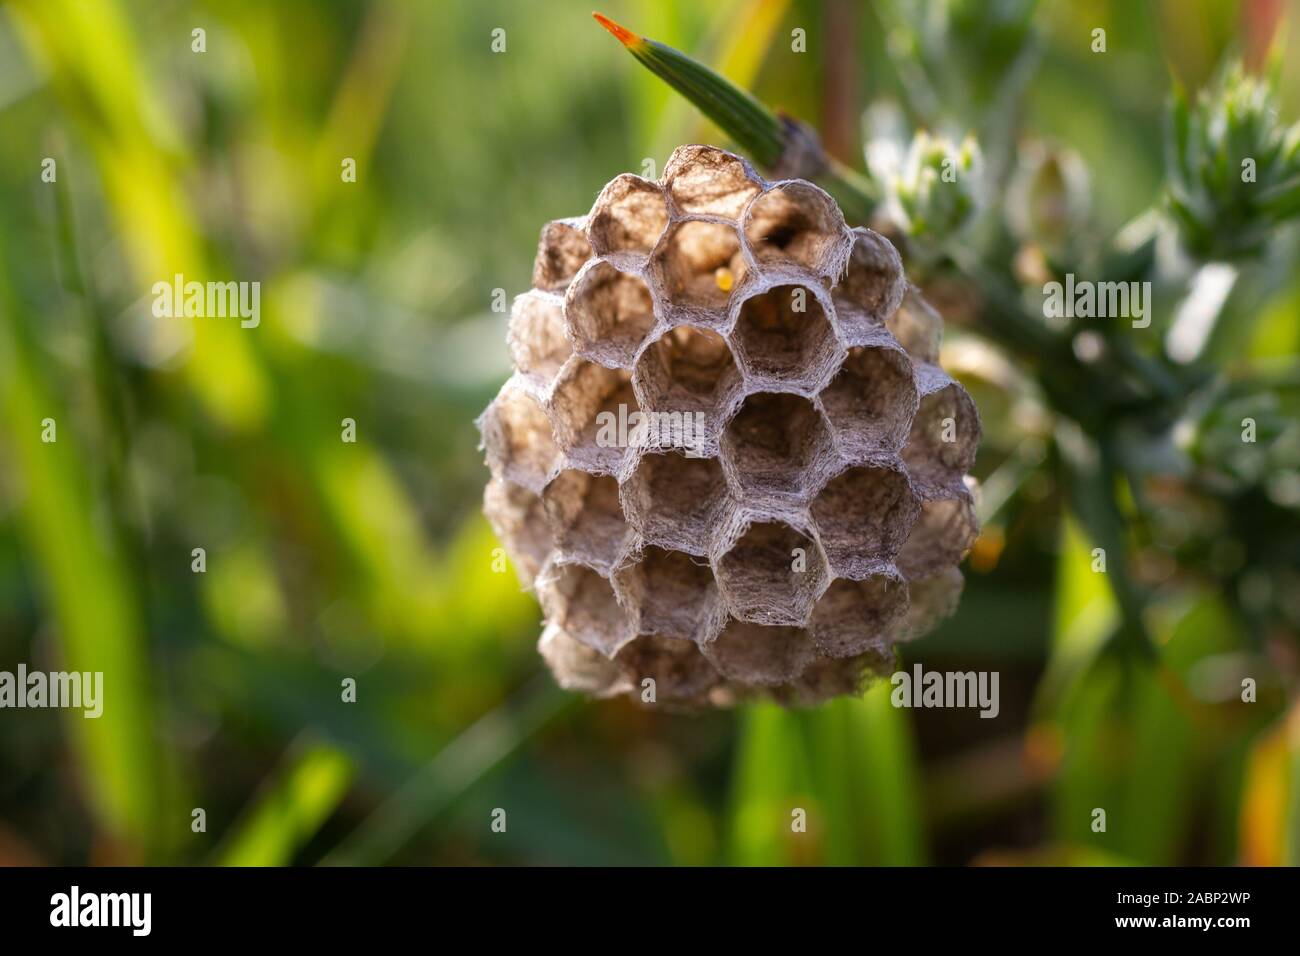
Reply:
x=579, y=668
x=672, y=593
x=594, y=414
x=586, y=518
x=690, y=379
x=704, y=180
x=536, y=335
x=771, y=574
x=757, y=655
x=917, y=327
x=863, y=515
x=629, y=216
x=873, y=280
x=784, y=337
x=946, y=431
x=610, y=313
x=678, y=669
x=518, y=440
x=519, y=521
x=930, y=601
x=582, y=602
x=697, y=265
x=674, y=501
x=871, y=401
x=776, y=444
x=854, y=616
x=797, y=223
x=561, y=252
x=943, y=533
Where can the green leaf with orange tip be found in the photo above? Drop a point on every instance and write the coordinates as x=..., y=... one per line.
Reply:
x=767, y=137
x=737, y=113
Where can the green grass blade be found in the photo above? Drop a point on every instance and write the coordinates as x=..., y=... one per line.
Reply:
x=290, y=810
x=770, y=781
x=886, y=779
x=460, y=765
x=849, y=765
x=99, y=623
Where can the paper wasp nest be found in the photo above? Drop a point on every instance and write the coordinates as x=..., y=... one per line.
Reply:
x=727, y=460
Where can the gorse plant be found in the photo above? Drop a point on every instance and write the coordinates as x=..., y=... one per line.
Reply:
x=934, y=188
x=1234, y=171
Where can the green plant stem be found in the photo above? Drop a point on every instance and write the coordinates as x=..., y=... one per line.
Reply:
x=856, y=194
x=1091, y=474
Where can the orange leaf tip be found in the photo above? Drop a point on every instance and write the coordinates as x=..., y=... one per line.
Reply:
x=622, y=34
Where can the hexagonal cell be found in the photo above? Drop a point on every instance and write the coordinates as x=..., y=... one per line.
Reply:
x=674, y=594
x=873, y=281
x=561, y=252
x=586, y=518
x=697, y=265
x=593, y=410
x=629, y=216
x=931, y=600
x=536, y=335
x=917, y=327
x=776, y=445
x=577, y=667
x=771, y=573
x=759, y=655
x=519, y=521
x=679, y=670
x=609, y=314
x=674, y=501
x=688, y=373
x=797, y=223
x=708, y=181
x=783, y=336
x=854, y=616
x=863, y=515
x=582, y=602
x=871, y=401
x=516, y=435
x=944, y=532
x=945, y=434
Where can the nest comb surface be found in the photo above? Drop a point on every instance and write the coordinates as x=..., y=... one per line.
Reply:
x=816, y=515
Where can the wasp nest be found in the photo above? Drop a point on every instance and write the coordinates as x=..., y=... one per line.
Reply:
x=727, y=459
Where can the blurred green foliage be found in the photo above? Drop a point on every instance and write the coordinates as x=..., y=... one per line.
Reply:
x=369, y=560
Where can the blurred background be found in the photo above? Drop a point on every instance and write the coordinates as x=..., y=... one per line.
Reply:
x=371, y=560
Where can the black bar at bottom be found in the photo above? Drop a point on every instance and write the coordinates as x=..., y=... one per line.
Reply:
x=334, y=906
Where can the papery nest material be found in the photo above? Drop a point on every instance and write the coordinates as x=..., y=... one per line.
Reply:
x=809, y=504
